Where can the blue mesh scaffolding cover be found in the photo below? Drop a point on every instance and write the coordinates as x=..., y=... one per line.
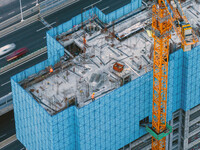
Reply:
x=111, y=121
x=63, y=130
x=100, y=14
x=95, y=11
x=174, y=82
x=32, y=122
x=191, y=79
x=55, y=49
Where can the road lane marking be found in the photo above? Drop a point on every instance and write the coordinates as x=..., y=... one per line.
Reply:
x=44, y=27
x=3, y=135
x=23, y=62
x=22, y=148
x=11, y=13
x=5, y=83
x=44, y=37
x=1, y=17
x=33, y=2
x=92, y=4
x=105, y=8
x=53, y=23
x=3, y=57
x=40, y=29
x=24, y=7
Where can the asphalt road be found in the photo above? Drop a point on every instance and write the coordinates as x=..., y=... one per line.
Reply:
x=7, y=129
x=5, y=85
x=16, y=145
x=7, y=126
x=33, y=36
x=26, y=37
x=10, y=8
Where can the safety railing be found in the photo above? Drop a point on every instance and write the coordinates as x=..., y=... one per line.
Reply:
x=23, y=59
x=5, y=100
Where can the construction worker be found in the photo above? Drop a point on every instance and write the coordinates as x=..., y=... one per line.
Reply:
x=92, y=96
x=51, y=70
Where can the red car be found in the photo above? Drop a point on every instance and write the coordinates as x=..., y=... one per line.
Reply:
x=16, y=54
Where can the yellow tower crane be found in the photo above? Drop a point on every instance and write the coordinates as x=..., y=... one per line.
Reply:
x=165, y=15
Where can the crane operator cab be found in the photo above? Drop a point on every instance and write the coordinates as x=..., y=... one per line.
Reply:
x=186, y=31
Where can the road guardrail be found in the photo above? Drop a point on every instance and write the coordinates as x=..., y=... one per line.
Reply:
x=8, y=141
x=23, y=59
x=48, y=10
x=6, y=103
x=18, y=25
x=56, y=6
x=17, y=18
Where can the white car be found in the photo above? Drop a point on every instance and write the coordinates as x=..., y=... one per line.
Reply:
x=7, y=48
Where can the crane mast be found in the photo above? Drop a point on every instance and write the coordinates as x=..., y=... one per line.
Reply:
x=165, y=15
x=161, y=27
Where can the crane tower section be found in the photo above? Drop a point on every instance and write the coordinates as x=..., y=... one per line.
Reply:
x=165, y=15
x=161, y=27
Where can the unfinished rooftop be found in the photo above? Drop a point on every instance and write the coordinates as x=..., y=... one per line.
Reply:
x=100, y=58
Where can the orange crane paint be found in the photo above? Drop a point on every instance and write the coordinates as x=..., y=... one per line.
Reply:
x=165, y=15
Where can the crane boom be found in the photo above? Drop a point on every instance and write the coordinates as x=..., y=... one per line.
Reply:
x=165, y=15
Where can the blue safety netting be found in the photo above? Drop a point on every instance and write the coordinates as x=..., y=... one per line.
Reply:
x=111, y=121
x=33, y=124
x=191, y=79
x=55, y=50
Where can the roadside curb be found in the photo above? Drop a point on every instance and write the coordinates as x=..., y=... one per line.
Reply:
x=8, y=141
x=22, y=60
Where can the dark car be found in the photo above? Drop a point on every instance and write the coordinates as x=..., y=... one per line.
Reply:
x=16, y=54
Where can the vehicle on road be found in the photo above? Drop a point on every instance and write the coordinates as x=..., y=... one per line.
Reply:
x=16, y=54
x=7, y=48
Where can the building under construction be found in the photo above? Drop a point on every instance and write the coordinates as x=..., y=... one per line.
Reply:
x=95, y=89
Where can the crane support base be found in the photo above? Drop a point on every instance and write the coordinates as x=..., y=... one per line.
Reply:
x=161, y=135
